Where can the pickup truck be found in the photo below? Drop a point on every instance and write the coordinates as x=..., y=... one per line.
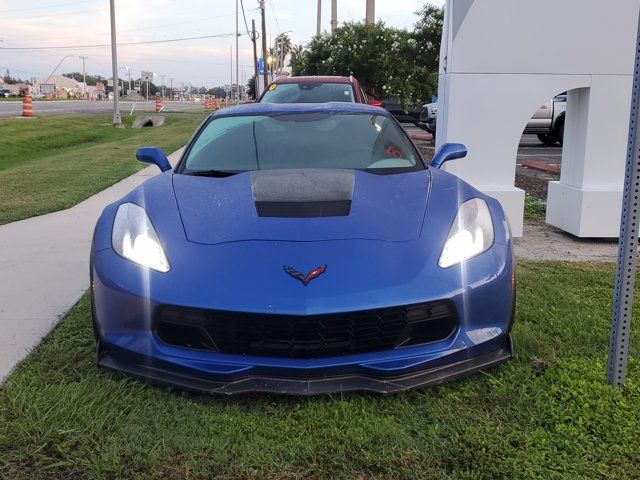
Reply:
x=548, y=121
x=428, y=118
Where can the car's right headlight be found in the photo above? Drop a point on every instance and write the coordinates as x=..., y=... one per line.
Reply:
x=134, y=238
x=471, y=233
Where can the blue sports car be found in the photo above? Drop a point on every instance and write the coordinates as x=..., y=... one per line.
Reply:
x=302, y=249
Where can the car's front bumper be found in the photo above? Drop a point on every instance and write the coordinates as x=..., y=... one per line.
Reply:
x=127, y=296
x=166, y=374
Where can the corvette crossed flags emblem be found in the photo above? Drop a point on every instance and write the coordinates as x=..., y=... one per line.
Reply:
x=315, y=273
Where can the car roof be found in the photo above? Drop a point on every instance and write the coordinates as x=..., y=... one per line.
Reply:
x=271, y=108
x=314, y=79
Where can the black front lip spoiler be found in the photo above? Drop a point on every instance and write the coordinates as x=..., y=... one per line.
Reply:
x=311, y=386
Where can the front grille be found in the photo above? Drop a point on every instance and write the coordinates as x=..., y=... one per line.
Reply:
x=299, y=336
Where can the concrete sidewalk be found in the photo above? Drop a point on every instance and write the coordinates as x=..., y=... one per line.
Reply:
x=44, y=269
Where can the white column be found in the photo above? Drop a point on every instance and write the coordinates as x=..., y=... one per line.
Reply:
x=587, y=199
x=488, y=113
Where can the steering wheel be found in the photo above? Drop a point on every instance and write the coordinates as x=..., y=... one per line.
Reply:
x=356, y=152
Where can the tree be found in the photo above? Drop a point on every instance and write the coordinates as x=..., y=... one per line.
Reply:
x=282, y=47
x=7, y=78
x=219, y=92
x=91, y=79
x=427, y=35
x=297, y=59
x=251, y=87
x=382, y=58
x=389, y=62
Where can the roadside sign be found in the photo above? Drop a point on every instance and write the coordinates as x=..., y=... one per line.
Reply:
x=260, y=66
x=146, y=76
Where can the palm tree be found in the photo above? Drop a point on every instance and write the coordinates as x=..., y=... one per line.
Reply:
x=282, y=45
x=297, y=54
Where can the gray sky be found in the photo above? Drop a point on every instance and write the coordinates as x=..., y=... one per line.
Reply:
x=55, y=23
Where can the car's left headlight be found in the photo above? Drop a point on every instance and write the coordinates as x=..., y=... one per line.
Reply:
x=135, y=239
x=471, y=233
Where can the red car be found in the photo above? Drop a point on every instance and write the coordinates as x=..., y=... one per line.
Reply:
x=316, y=89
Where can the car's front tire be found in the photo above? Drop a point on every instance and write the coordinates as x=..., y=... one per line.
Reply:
x=547, y=139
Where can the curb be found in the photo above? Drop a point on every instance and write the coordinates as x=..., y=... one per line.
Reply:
x=541, y=166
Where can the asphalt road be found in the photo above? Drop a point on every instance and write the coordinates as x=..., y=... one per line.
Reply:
x=533, y=149
x=70, y=107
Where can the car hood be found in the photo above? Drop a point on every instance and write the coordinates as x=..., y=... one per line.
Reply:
x=302, y=205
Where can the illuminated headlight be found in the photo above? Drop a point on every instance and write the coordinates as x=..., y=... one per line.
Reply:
x=135, y=239
x=470, y=235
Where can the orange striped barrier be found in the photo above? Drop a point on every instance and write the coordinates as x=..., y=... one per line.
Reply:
x=159, y=106
x=27, y=106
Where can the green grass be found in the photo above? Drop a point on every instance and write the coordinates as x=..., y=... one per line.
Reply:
x=52, y=163
x=534, y=209
x=547, y=414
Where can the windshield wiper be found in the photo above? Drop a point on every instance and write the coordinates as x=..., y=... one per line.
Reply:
x=212, y=173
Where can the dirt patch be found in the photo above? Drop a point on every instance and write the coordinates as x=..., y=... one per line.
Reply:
x=533, y=182
x=544, y=242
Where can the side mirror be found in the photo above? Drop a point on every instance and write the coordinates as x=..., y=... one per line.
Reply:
x=449, y=151
x=153, y=155
x=374, y=103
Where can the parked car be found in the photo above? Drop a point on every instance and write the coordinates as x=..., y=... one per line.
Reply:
x=296, y=248
x=548, y=121
x=5, y=93
x=316, y=89
x=408, y=114
x=428, y=118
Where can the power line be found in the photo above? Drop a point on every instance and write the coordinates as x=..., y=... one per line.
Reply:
x=40, y=8
x=61, y=14
x=275, y=16
x=82, y=12
x=245, y=18
x=125, y=44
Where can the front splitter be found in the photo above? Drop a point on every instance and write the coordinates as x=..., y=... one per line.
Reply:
x=310, y=386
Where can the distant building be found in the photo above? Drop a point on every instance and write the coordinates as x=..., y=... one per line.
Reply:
x=58, y=86
x=14, y=88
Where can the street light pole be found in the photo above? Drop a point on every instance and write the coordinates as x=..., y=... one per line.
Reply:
x=264, y=45
x=255, y=57
x=371, y=12
x=84, y=77
x=237, y=59
x=319, y=19
x=334, y=15
x=117, y=121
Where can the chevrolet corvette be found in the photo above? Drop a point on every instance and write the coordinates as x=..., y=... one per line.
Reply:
x=302, y=249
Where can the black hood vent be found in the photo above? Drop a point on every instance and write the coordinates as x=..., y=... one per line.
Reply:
x=302, y=193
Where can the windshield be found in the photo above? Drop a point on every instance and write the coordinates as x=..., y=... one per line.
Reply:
x=301, y=140
x=308, y=93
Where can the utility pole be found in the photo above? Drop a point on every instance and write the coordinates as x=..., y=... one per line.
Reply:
x=370, y=18
x=319, y=19
x=334, y=15
x=162, y=88
x=84, y=76
x=255, y=56
x=237, y=59
x=171, y=82
x=117, y=121
x=264, y=45
x=230, y=72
